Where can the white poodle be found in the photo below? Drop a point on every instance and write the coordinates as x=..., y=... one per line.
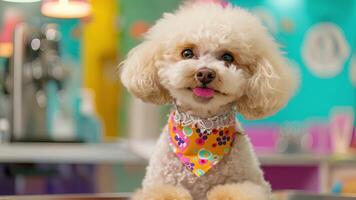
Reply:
x=211, y=62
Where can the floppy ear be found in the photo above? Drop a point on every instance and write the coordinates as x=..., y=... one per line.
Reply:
x=268, y=90
x=139, y=73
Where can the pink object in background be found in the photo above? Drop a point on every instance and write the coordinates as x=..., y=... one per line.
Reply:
x=264, y=138
x=11, y=19
x=319, y=138
x=353, y=142
x=341, y=129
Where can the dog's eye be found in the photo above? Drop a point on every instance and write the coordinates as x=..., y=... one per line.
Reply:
x=187, y=53
x=227, y=57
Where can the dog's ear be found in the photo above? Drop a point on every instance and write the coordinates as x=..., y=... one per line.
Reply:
x=139, y=73
x=269, y=88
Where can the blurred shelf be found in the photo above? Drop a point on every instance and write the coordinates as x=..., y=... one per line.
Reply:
x=291, y=159
x=67, y=153
x=145, y=148
x=138, y=152
x=305, y=159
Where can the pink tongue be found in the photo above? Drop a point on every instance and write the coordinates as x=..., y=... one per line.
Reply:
x=203, y=92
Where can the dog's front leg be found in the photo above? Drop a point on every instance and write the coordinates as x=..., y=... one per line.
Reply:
x=162, y=192
x=239, y=191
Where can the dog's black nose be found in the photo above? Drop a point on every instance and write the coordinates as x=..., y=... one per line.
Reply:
x=205, y=75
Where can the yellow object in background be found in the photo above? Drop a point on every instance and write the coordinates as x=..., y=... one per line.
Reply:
x=349, y=186
x=6, y=49
x=100, y=50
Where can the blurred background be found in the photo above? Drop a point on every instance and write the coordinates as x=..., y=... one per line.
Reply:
x=68, y=126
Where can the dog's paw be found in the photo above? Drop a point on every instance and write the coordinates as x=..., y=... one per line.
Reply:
x=162, y=192
x=238, y=191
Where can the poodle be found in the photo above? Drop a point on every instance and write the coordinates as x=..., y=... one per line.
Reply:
x=211, y=62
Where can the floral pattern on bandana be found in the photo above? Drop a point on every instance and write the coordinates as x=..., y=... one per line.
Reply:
x=198, y=149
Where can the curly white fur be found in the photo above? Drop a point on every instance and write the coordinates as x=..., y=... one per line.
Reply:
x=258, y=83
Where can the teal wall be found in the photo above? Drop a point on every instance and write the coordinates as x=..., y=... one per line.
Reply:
x=316, y=96
x=132, y=12
x=140, y=11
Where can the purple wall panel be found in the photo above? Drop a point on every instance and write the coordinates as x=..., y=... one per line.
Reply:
x=72, y=179
x=296, y=177
x=63, y=178
x=7, y=184
x=320, y=142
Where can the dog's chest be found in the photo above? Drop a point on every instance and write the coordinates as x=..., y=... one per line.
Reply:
x=165, y=167
x=221, y=173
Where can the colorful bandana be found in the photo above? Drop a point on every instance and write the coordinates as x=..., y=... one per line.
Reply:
x=201, y=143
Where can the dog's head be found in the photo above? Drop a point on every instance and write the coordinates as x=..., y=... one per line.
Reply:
x=206, y=56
